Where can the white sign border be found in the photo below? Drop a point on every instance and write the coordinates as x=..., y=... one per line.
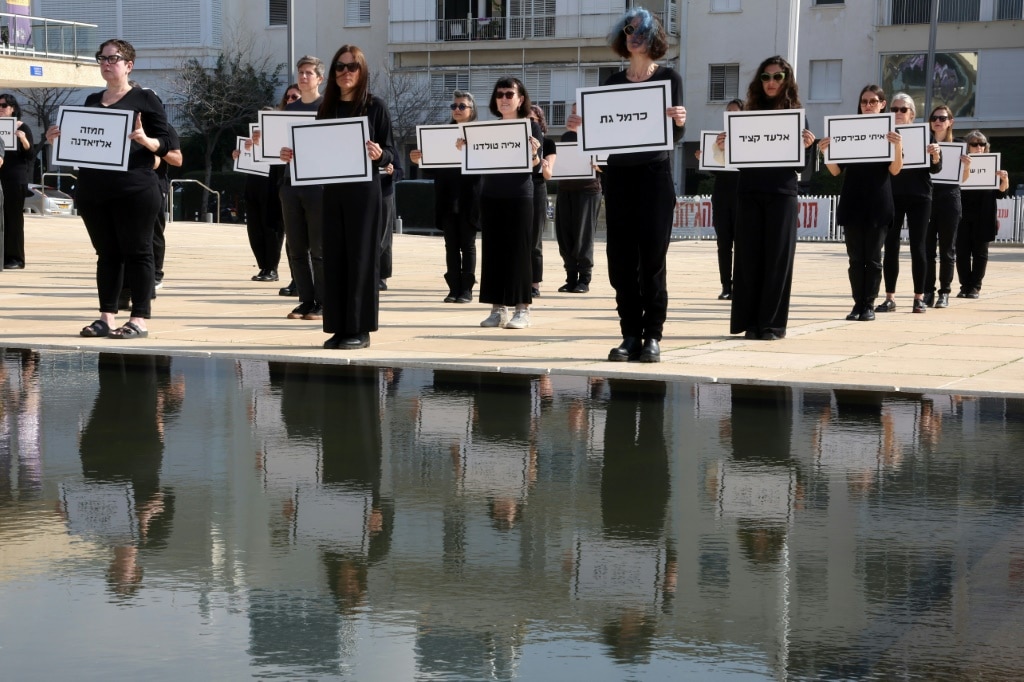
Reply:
x=526, y=167
x=666, y=141
x=424, y=132
x=565, y=161
x=278, y=119
x=302, y=147
x=988, y=159
x=253, y=167
x=8, y=131
x=945, y=176
x=124, y=117
x=708, y=139
x=798, y=160
x=869, y=121
x=919, y=140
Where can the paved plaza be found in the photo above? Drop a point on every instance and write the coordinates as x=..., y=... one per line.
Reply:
x=209, y=306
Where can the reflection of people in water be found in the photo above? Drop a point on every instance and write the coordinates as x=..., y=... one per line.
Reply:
x=122, y=448
x=635, y=479
x=20, y=463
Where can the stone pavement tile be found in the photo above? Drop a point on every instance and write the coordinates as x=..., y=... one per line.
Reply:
x=921, y=366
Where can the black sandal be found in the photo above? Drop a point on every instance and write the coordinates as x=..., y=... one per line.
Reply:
x=128, y=330
x=97, y=329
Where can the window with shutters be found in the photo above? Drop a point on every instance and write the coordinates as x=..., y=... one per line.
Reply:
x=442, y=85
x=723, y=82
x=531, y=18
x=278, y=13
x=357, y=12
x=826, y=80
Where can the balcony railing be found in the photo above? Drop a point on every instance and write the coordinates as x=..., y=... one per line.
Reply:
x=30, y=36
x=538, y=26
x=896, y=12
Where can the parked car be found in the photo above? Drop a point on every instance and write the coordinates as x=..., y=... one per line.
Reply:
x=48, y=201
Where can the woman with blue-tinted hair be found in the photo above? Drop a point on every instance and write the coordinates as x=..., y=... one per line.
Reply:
x=640, y=197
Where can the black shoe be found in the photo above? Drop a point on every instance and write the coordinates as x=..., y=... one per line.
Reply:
x=973, y=292
x=301, y=310
x=567, y=287
x=919, y=306
x=465, y=297
x=258, y=277
x=626, y=351
x=13, y=265
x=769, y=335
x=854, y=314
x=267, y=276
x=943, y=301
x=651, y=351
x=581, y=288
x=726, y=294
x=450, y=298
x=886, y=306
x=866, y=315
x=340, y=341
x=314, y=313
x=535, y=292
x=751, y=334
x=382, y=285
x=289, y=290
x=929, y=299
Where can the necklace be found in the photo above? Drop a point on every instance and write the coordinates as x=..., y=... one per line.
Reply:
x=635, y=76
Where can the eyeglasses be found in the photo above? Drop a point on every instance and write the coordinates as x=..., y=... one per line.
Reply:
x=5, y=104
x=460, y=107
x=778, y=77
x=109, y=59
x=629, y=29
x=351, y=67
x=292, y=97
x=899, y=110
x=869, y=102
x=507, y=94
x=939, y=118
x=977, y=144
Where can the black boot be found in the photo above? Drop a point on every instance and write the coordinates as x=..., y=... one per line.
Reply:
x=628, y=350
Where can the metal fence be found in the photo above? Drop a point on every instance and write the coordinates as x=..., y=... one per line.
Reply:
x=30, y=36
x=817, y=219
x=896, y=12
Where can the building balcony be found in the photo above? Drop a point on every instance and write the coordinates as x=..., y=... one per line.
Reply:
x=897, y=12
x=40, y=52
x=536, y=27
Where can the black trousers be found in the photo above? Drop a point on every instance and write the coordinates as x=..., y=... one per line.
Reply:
x=540, y=218
x=723, y=213
x=917, y=210
x=387, y=234
x=864, y=242
x=121, y=231
x=459, y=251
x=945, y=218
x=13, y=199
x=971, y=254
x=159, y=242
x=640, y=204
x=506, y=243
x=303, y=211
x=765, y=249
x=351, y=257
x=263, y=222
x=575, y=225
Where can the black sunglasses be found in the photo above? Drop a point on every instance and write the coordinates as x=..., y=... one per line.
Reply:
x=351, y=67
x=109, y=59
x=939, y=118
x=5, y=104
x=460, y=106
x=507, y=94
x=777, y=76
x=900, y=110
x=976, y=144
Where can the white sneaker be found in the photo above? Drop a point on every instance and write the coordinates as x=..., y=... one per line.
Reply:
x=521, y=319
x=497, y=318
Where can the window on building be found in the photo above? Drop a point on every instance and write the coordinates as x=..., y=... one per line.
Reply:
x=442, y=85
x=531, y=18
x=723, y=82
x=726, y=6
x=357, y=12
x=955, y=78
x=920, y=11
x=826, y=80
x=1009, y=9
x=278, y=15
x=829, y=2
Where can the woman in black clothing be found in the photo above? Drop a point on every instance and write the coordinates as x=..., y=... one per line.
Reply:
x=766, y=219
x=457, y=211
x=15, y=174
x=723, y=215
x=541, y=175
x=865, y=211
x=978, y=225
x=946, y=212
x=641, y=198
x=576, y=207
x=351, y=211
x=912, y=199
x=506, y=217
x=119, y=207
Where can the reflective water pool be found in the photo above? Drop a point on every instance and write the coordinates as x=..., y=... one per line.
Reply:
x=202, y=519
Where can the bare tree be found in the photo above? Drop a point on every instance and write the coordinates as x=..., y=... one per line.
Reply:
x=409, y=102
x=216, y=101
